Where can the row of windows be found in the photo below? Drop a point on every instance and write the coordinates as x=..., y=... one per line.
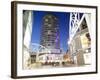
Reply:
x=52, y=31
x=47, y=18
x=47, y=38
x=48, y=42
x=50, y=26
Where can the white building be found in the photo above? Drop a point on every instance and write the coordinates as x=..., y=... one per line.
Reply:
x=80, y=38
x=27, y=31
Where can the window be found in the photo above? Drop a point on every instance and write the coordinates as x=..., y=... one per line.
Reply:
x=85, y=40
x=88, y=36
x=46, y=20
x=84, y=25
x=49, y=25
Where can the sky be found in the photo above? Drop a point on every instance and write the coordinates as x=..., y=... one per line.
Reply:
x=63, y=20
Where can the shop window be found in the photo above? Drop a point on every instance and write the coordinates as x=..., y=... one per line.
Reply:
x=33, y=58
x=85, y=40
x=88, y=36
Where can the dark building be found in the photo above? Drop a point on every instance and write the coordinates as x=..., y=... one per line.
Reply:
x=50, y=37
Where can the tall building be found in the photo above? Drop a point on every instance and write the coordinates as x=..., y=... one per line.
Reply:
x=50, y=37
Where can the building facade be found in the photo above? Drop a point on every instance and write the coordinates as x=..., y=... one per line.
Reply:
x=80, y=38
x=27, y=31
